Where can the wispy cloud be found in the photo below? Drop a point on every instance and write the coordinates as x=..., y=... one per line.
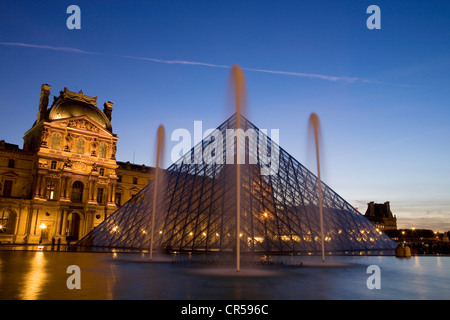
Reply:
x=46, y=47
x=192, y=63
x=388, y=144
x=312, y=75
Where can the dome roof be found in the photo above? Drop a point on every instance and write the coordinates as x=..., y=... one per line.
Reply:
x=70, y=105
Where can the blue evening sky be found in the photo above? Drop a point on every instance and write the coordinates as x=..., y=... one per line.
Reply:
x=382, y=96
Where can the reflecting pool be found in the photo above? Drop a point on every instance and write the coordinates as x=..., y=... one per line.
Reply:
x=43, y=275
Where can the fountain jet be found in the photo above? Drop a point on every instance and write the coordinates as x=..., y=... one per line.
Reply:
x=160, y=135
x=238, y=87
x=314, y=125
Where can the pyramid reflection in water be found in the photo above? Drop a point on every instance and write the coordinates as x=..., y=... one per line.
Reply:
x=196, y=211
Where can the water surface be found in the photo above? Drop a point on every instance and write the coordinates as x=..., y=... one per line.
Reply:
x=42, y=275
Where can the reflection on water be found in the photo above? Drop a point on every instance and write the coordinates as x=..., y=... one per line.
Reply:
x=34, y=278
x=42, y=275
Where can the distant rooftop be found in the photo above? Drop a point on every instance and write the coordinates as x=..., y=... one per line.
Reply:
x=9, y=146
x=134, y=167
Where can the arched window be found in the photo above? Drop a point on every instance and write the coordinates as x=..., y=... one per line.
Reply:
x=77, y=192
x=56, y=141
x=7, y=222
x=102, y=150
x=80, y=146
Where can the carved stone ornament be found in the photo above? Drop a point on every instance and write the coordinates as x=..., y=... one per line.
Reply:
x=44, y=137
x=67, y=94
x=79, y=166
x=83, y=124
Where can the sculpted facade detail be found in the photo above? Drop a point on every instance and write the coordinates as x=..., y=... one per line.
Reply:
x=83, y=124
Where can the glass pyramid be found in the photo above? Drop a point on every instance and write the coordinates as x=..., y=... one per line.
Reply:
x=196, y=208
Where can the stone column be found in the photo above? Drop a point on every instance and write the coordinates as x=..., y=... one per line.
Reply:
x=90, y=190
x=113, y=193
x=42, y=193
x=21, y=224
x=37, y=186
x=69, y=188
x=34, y=234
x=63, y=189
x=64, y=222
x=95, y=191
x=58, y=223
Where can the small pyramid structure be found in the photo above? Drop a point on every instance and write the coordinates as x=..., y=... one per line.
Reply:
x=196, y=206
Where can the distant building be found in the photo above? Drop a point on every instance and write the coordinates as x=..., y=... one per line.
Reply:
x=381, y=216
x=66, y=180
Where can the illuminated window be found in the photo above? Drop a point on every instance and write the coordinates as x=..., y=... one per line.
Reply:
x=7, y=222
x=51, y=191
x=56, y=141
x=102, y=150
x=80, y=146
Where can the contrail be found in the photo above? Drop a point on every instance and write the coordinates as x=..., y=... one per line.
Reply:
x=312, y=75
x=40, y=46
x=192, y=63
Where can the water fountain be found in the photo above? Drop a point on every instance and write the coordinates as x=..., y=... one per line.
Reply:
x=238, y=84
x=314, y=126
x=159, y=161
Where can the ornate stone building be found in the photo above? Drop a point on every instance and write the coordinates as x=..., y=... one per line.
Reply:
x=381, y=216
x=66, y=180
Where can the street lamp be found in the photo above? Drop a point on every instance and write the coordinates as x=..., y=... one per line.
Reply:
x=43, y=226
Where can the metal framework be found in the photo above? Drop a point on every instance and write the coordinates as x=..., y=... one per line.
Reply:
x=196, y=209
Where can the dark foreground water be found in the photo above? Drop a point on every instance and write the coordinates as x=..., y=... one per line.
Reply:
x=43, y=275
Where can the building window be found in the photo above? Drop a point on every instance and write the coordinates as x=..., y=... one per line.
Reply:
x=53, y=165
x=77, y=192
x=7, y=188
x=4, y=217
x=80, y=146
x=11, y=163
x=102, y=150
x=100, y=195
x=51, y=191
x=7, y=222
x=119, y=178
x=118, y=199
x=56, y=141
x=102, y=171
x=135, y=180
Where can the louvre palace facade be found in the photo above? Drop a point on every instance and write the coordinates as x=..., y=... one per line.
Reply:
x=65, y=180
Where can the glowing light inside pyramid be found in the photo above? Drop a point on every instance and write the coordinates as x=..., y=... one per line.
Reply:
x=279, y=212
